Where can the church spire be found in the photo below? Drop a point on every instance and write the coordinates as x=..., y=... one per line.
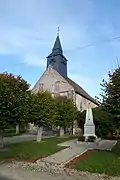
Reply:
x=57, y=45
x=56, y=59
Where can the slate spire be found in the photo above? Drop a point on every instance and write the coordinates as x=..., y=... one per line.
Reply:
x=56, y=59
x=57, y=45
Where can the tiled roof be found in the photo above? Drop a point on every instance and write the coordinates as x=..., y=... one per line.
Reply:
x=78, y=89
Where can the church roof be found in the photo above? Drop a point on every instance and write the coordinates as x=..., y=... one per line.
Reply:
x=78, y=89
x=57, y=44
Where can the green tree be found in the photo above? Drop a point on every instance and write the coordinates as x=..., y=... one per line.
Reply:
x=103, y=122
x=41, y=111
x=13, y=99
x=81, y=119
x=111, y=95
x=66, y=113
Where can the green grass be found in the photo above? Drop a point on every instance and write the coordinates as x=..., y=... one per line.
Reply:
x=100, y=162
x=12, y=132
x=32, y=149
x=116, y=148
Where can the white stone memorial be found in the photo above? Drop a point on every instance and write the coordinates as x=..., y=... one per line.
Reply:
x=89, y=127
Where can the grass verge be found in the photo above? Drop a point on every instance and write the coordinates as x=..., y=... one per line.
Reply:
x=100, y=162
x=116, y=148
x=32, y=149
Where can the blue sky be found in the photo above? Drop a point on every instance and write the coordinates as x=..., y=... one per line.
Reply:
x=28, y=30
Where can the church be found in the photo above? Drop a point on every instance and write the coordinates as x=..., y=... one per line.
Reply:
x=56, y=81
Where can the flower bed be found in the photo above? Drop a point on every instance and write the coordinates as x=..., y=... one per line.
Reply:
x=72, y=163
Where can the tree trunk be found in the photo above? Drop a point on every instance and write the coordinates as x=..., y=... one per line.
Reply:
x=39, y=134
x=1, y=139
x=75, y=125
x=17, y=129
x=61, y=132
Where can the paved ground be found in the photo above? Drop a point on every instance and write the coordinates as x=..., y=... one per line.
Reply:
x=75, y=149
x=24, y=137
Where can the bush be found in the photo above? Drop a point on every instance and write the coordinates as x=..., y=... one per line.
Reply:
x=116, y=148
x=91, y=138
x=81, y=138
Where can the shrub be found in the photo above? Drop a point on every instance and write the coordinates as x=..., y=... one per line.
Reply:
x=91, y=138
x=116, y=148
x=81, y=138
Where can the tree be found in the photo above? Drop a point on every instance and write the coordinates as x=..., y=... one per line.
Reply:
x=111, y=95
x=81, y=119
x=41, y=111
x=103, y=122
x=66, y=113
x=13, y=99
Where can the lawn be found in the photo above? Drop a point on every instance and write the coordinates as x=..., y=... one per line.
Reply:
x=12, y=132
x=100, y=162
x=116, y=148
x=32, y=149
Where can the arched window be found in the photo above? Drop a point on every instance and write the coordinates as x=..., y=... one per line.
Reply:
x=81, y=106
x=70, y=94
x=40, y=86
x=57, y=86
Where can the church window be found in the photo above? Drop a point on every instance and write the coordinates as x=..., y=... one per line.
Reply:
x=81, y=107
x=52, y=61
x=41, y=87
x=57, y=85
x=70, y=94
x=84, y=101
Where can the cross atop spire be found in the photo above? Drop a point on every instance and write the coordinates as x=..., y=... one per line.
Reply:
x=58, y=30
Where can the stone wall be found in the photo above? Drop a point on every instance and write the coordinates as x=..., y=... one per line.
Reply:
x=53, y=82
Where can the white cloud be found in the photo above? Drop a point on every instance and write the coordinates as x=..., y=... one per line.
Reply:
x=33, y=46
x=30, y=32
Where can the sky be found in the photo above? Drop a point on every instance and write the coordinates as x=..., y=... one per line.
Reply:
x=89, y=33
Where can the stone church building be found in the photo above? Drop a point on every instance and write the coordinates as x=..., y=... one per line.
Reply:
x=56, y=81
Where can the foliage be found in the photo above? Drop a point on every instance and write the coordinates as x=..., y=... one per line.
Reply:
x=91, y=138
x=116, y=148
x=103, y=122
x=81, y=138
x=13, y=99
x=117, y=133
x=66, y=111
x=81, y=119
x=100, y=162
x=40, y=110
x=111, y=94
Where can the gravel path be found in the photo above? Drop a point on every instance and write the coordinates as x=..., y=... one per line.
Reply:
x=20, y=171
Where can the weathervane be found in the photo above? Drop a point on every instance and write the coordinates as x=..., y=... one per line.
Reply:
x=58, y=30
